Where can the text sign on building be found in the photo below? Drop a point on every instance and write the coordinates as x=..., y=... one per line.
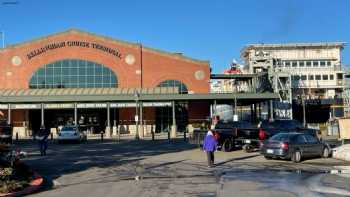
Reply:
x=145, y=104
x=91, y=105
x=122, y=105
x=74, y=43
x=3, y=106
x=25, y=106
x=59, y=106
x=157, y=104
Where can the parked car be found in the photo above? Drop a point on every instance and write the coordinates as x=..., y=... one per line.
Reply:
x=71, y=133
x=268, y=128
x=294, y=146
x=5, y=132
x=231, y=134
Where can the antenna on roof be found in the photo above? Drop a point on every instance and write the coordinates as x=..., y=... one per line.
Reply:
x=3, y=38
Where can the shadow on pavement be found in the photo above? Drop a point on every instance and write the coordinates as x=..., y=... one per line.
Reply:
x=237, y=159
x=63, y=159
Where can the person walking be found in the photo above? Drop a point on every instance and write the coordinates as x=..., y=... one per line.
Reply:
x=43, y=140
x=209, y=146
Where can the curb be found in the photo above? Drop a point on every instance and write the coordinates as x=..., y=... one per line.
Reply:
x=339, y=172
x=34, y=185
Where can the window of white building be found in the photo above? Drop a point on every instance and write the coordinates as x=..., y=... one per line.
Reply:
x=287, y=63
x=315, y=63
x=308, y=64
x=325, y=77
x=318, y=77
x=311, y=77
x=331, y=77
x=296, y=77
x=301, y=63
x=294, y=64
x=322, y=63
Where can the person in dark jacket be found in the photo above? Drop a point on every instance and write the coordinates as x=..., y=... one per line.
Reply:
x=209, y=146
x=43, y=138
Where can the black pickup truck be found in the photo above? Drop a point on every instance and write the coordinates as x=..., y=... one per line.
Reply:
x=234, y=134
x=243, y=134
x=230, y=134
x=5, y=132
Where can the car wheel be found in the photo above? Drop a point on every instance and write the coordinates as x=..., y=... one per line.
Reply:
x=247, y=148
x=296, y=157
x=325, y=153
x=227, y=145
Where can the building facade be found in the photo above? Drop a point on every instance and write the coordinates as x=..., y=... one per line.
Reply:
x=72, y=62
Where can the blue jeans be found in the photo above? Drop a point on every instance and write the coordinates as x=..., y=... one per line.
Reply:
x=43, y=147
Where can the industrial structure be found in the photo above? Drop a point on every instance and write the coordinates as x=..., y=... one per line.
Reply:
x=304, y=74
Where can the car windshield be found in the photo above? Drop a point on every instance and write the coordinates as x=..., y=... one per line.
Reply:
x=283, y=137
x=68, y=129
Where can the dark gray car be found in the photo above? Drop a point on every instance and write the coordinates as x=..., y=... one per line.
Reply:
x=294, y=146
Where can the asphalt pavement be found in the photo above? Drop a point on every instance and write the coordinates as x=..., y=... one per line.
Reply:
x=176, y=168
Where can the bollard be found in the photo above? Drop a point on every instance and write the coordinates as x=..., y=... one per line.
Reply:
x=51, y=136
x=152, y=132
x=169, y=136
x=118, y=135
x=16, y=136
x=101, y=136
x=185, y=136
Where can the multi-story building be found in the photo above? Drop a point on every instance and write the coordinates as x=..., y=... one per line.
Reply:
x=312, y=71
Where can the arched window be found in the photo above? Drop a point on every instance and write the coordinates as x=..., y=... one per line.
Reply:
x=73, y=73
x=174, y=83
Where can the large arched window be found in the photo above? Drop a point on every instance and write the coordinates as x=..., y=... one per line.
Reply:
x=174, y=83
x=73, y=73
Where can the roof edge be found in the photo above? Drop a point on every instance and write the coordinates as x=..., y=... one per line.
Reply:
x=130, y=44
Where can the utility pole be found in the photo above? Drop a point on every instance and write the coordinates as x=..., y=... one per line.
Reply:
x=7, y=3
x=304, y=111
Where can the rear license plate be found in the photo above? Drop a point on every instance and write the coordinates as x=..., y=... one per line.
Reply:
x=247, y=141
x=269, y=151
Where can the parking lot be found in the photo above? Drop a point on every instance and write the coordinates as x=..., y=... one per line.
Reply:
x=176, y=168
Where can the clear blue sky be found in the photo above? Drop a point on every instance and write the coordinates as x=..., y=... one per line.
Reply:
x=202, y=29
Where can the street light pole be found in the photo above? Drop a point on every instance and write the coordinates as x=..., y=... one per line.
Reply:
x=304, y=111
x=136, y=95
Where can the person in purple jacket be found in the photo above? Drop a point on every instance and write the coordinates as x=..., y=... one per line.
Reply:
x=209, y=146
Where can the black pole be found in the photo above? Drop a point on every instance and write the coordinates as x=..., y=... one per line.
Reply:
x=152, y=133
x=141, y=65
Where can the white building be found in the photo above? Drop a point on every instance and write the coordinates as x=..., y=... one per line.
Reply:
x=309, y=70
x=315, y=68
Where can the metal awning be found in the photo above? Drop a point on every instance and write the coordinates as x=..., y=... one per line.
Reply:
x=86, y=91
x=124, y=95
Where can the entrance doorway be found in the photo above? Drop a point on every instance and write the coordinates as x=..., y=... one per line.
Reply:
x=164, y=118
x=92, y=120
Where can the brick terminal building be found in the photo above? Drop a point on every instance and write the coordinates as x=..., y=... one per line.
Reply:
x=81, y=78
